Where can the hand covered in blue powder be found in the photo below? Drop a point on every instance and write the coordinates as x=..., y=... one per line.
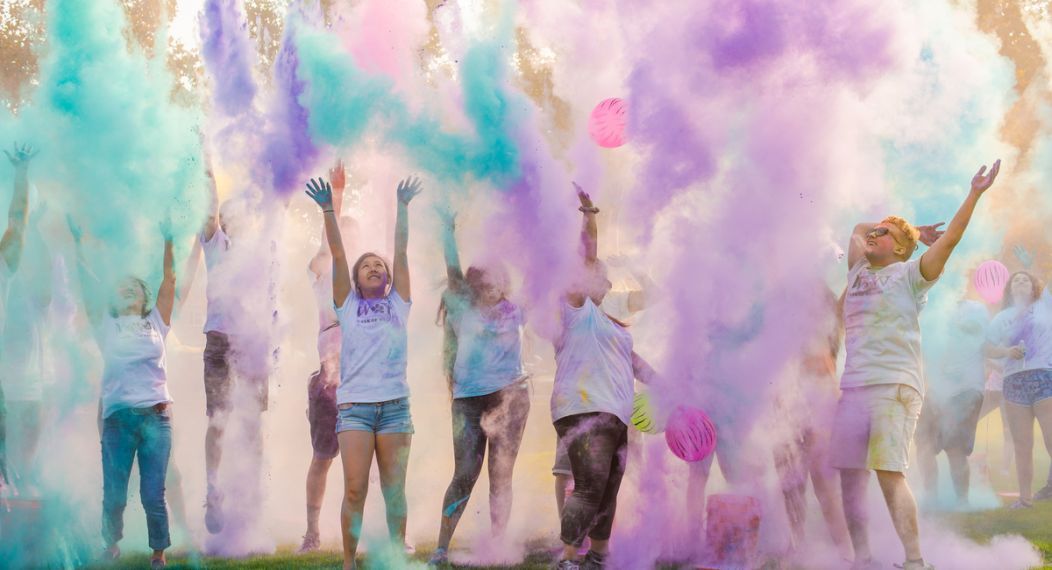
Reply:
x=1024, y=256
x=408, y=189
x=321, y=192
x=22, y=155
x=74, y=229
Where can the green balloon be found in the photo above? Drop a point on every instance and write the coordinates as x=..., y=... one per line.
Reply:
x=643, y=414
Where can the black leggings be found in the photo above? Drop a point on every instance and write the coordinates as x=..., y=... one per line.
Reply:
x=597, y=444
x=498, y=419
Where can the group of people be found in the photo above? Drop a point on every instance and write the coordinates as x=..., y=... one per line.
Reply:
x=359, y=398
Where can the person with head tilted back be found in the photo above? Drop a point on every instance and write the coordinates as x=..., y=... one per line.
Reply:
x=882, y=385
x=135, y=408
x=592, y=402
x=491, y=398
x=372, y=305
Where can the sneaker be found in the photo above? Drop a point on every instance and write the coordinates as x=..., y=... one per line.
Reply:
x=1021, y=504
x=567, y=565
x=593, y=561
x=440, y=557
x=110, y=553
x=1045, y=494
x=214, y=512
x=311, y=543
x=915, y=565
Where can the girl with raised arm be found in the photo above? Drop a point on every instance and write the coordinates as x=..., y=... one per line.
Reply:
x=372, y=305
x=490, y=396
x=135, y=406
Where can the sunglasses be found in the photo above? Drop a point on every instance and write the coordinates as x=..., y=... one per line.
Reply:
x=878, y=232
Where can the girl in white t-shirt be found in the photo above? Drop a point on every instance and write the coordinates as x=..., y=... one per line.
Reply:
x=372, y=306
x=1021, y=335
x=134, y=411
x=592, y=403
x=491, y=399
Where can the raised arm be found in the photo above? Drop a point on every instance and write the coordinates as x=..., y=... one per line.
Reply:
x=642, y=370
x=13, y=241
x=590, y=229
x=212, y=220
x=407, y=190
x=934, y=260
x=454, y=273
x=166, y=292
x=90, y=288
x=338, y=180
x=856, y=247
x=321, y=192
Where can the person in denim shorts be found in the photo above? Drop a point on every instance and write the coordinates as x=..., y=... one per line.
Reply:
x=372, y=306
x=135, y=404
x=1021, y=336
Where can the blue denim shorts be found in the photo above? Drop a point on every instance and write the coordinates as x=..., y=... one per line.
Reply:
x=391, y=416
x=1028, y=387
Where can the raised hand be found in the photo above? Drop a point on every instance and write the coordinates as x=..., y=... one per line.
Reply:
x=983, y=180
x=321, y=192
x=1024, y=256
x=21, y=155
x=928, y=234
x=447, y=216
x=338, y=175
x=408, y=189
x=586, y=200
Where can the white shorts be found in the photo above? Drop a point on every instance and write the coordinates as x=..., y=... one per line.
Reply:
x=873, y=427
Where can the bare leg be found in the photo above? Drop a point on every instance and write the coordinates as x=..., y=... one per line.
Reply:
x=392, y=458
x=1021, y=425
x=317, y=474
x=853, y=483
x=903, y=510
x=1043, y=412
x=356, y=454
x=960, y=473
x=825, y=484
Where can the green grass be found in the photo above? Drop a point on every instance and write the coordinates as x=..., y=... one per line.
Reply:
x=1033, y=524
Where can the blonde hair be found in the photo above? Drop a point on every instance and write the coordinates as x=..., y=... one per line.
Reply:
x=911, y=233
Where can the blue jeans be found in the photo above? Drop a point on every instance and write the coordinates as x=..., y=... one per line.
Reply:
x=148, y=433
x=391, y=416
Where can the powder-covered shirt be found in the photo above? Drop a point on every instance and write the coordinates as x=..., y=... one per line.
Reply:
x=221, y=283
x=593, y=365
x=373, y=349
x=489, y=347
x=1031, y=326
x=23, y=367
x=328, y=322
x=133, y=355
x=962, y=366
x=5, y=277
x=882, y=325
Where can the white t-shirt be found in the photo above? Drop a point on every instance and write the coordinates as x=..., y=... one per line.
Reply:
x=882, y=325
x=220, y=280
x=593, y=365
x=489, y=348
x=1031, y=326
x=373, y=349
x=963, y=366
x=133, y=357
x=328, y=322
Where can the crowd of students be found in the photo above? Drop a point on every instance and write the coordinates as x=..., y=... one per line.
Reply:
x=359, y=398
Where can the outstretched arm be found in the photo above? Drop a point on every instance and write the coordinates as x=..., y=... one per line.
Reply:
x=321, y=192
x=166, y=292
x=934, y=260
x=90, y=288
x=407, y=190
x=642, y=370
x=13, y=241
x=338, y=180
x=454, y=273
x=590, y=229
x=212, y=220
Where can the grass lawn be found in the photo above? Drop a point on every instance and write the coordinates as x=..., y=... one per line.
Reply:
x=1034, y=524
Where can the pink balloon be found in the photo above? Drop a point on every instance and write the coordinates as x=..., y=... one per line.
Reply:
x=990, y=279
x=606, y=125
x=690, y=434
